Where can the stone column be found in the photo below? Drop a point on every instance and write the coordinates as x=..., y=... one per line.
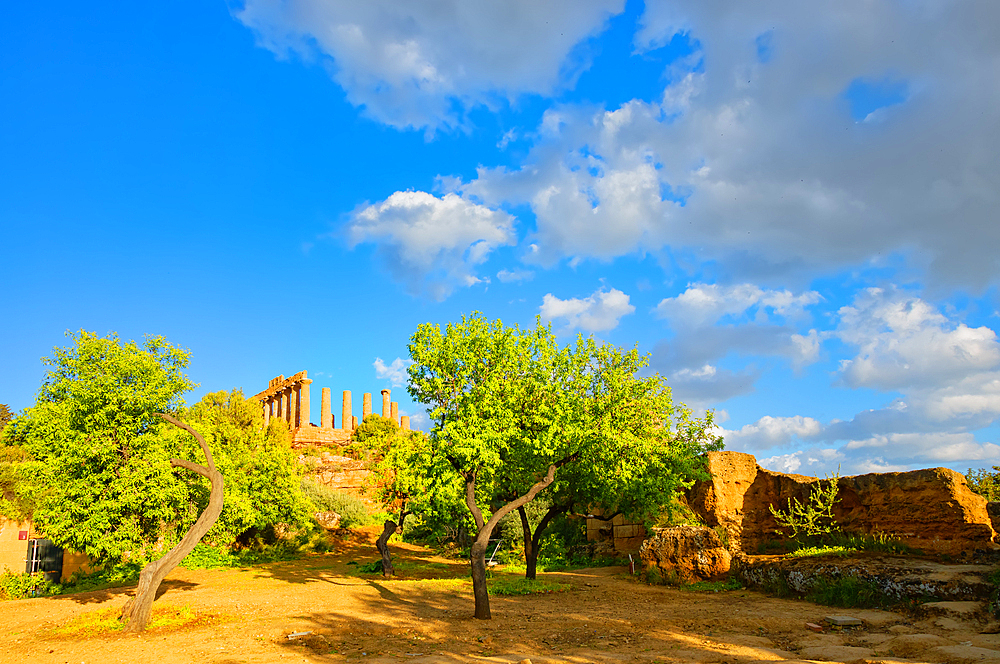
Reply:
x=366, y=406
x=305, y=410
x=394, y=412
x=325, y=414
x=280, y=406
x=404, y=422
x=354, y=423
x=267, y=411
x=291, y=416
x=385, y=403
x=345, y=419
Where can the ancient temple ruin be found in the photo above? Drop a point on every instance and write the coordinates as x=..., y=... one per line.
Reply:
x=289, y=399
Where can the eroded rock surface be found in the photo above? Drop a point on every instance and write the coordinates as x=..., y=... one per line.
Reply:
x=693, y=552
x=933, y=509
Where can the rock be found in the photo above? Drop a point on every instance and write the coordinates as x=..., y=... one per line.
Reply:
x=327, y=520
x=963, y=654
x=843, y=621
x=931, y=509
x=693, y=552
x=911, y=645
x=836, y=653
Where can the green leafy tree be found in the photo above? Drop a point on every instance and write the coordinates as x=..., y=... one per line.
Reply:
x=5, y=415
x=97, y=464
x=985, y=483
x=404, y=477
x=512, y=409
x=263, y=477
x=637, y=448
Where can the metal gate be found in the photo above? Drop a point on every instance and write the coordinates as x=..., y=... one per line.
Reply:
x=45, y=557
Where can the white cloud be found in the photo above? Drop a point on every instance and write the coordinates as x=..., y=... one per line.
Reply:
x=769, y=432
x=702, y=304
x=599, y=312
x=426, y=62
x=431, y=243
x=507, y=276
x=904, y=343
x=395, y=373
x=776, y=175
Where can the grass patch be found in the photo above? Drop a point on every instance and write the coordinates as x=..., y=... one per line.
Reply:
x=714, y=586
x=808, y=551
x=204, y=556
x=107, y=621
x=509, y=586
x=850, y=592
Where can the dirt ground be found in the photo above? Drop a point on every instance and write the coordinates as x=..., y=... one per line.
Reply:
x=605, y=616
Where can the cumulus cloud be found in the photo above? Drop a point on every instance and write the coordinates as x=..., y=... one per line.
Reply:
x=424, y=63
x=512, y=276
x=758, y=157
x=769, y=432
x=395, y=373
x=711, y=321
x=904, y=343
x=702, y=304
x=429, y=243
x=598, y=312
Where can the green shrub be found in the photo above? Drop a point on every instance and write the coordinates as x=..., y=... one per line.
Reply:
x=814, y=518
x=353, y=511
x=15, y=585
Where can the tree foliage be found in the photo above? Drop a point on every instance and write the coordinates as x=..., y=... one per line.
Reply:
x=90, y=462
x=512, y=410
x=984, y=482
x=98, y=468
x=263, y=478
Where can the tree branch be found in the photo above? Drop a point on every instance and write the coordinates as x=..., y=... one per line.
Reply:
x=193, y=467
x=201, y=441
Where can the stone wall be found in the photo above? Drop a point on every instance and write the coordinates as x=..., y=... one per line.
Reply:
x=931, y=509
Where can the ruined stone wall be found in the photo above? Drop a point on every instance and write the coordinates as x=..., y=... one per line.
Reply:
x=931, y=509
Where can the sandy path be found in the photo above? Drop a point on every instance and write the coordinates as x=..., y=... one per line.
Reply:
x=604, y=617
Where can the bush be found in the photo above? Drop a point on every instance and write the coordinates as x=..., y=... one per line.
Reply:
x=353, y=511
x=20, y=586
x=814, y=519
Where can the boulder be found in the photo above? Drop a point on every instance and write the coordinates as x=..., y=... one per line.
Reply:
x=327, y=520
x=692, y=552
x=931, y=509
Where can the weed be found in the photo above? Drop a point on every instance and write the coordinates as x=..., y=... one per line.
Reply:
x=814, y=518
x=105, y=621
x=850, y=592
x=506, y=586
x=731, y=583
x=808, y=551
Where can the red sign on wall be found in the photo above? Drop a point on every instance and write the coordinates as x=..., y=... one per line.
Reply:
x=22, y=534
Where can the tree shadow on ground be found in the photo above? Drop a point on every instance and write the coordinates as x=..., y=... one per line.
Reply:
x=105, y=594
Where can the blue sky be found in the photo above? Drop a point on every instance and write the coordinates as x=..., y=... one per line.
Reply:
x=792, y=208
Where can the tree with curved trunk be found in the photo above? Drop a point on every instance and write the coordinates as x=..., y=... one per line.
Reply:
x=138, y=609
x=514, y=412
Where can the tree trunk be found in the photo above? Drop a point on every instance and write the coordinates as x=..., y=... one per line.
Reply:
x=478, y=560
x=530, y=552
x=382, y=544
x=536, y=539
x=477, y=554
x=139, y=608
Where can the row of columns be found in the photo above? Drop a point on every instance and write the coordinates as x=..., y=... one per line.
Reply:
x=390, y=409
x=292, y=405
